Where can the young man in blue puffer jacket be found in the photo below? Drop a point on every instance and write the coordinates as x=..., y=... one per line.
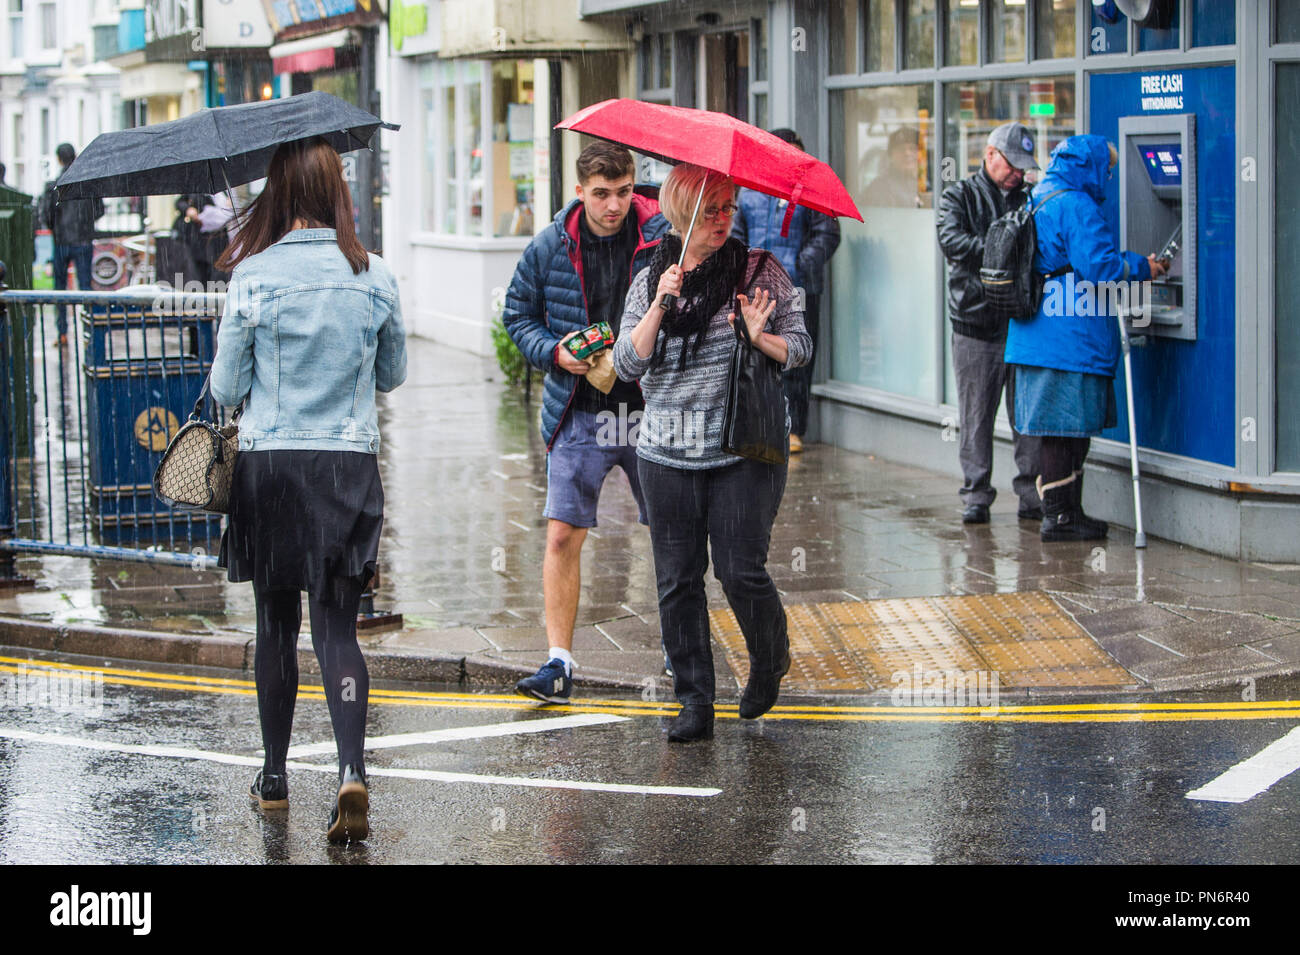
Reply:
x=575, y=273
x=803, y=251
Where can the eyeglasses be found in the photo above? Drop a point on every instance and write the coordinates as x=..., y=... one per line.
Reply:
x=712, y=212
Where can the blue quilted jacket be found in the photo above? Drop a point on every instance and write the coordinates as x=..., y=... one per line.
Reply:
x=546, y=299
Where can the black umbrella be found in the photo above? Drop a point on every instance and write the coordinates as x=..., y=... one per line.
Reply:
x=212, y=149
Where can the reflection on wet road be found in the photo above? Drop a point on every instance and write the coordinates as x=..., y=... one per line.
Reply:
x=152, y=765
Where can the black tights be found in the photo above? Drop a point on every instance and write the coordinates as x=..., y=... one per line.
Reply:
x=343, y=670
x=1061, y=457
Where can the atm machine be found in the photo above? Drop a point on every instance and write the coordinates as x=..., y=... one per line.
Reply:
x=1157, y=199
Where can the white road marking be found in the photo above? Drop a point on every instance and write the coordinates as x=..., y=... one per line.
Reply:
x=1252, y=776
x=230, y=759
x=512, y=728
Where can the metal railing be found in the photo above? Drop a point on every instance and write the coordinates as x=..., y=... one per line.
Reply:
x=84, y=421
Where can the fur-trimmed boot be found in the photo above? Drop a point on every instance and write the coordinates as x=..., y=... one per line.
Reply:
x=1061, y=515
x=1101, y=527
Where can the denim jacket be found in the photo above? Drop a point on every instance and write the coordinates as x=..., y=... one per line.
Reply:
x=308, y=343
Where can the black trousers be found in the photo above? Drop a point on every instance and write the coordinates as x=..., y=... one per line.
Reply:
x=343, y=669
x=733, y=508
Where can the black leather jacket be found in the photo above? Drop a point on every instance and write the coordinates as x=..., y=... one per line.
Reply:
x=966, y=210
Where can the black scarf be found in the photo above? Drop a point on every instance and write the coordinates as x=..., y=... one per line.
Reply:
x=705, y=289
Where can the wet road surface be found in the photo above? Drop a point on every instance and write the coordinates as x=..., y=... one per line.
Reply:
x=120, y=762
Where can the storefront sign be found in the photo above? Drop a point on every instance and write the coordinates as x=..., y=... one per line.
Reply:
x=284, y=14
x=405, y=20
x=235, y=23
x=1162, y=91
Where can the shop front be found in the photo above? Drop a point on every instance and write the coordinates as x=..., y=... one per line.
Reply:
x=477, y=97
x=900, y=95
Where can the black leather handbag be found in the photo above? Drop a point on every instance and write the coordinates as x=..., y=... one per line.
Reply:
x=753, y=425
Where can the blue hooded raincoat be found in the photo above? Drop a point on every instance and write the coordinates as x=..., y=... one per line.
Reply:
x=1075, y=329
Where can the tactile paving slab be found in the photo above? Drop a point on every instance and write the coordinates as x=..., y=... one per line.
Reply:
x=1027, y=639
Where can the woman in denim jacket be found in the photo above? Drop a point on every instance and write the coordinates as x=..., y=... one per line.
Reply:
x=312, y=329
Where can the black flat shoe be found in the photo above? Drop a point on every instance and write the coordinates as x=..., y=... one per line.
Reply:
x=348, y=821
x=761, y=691
x=270, y=790
x=975, y=514
x=695, y=721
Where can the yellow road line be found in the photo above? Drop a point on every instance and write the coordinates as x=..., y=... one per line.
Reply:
x=1035, y=713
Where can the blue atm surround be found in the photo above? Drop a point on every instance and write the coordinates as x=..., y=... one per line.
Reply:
x=1185, y=392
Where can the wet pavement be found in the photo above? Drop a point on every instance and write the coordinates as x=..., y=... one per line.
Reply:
x=152, y=764
x=464, y=476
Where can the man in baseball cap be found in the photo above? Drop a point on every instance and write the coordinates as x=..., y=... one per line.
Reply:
x=979, y=331
x=1016, y=144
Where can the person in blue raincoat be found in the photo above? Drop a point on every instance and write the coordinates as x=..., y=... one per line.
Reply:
x=804, y=252
x=1067, y=354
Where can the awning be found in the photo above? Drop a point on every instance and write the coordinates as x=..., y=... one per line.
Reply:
x=310, y=53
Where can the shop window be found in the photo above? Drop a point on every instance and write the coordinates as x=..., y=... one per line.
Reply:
x=1007, y=28
x=1288, y=20
x=1166, y=38
x=882, y=278
x=760, y=110
x=919, y=50
x=656, y=63
x=1054, y=29
x=759, y=44
x=844, y=37
x=1045, y=105
x=1108, y=30
x=880, y=35
x=477, y=175
x=1286, y=295
x=512, y=147
x=1214, y=22
x=963, y=33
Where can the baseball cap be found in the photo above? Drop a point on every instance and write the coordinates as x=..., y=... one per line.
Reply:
x=1015, y=142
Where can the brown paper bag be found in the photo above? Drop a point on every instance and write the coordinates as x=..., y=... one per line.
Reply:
x=601, y=374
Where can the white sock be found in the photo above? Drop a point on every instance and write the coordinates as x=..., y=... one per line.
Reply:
x=559, y=653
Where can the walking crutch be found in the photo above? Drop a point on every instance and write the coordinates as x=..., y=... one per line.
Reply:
x=1140, y=540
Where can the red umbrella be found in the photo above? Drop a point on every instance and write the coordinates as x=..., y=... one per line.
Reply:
x=751, y=156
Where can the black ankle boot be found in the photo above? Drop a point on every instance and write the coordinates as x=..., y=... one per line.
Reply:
x=695, y=721
x=270, y=790
x=761, y=691
x=349, y=821
x=1061, y=516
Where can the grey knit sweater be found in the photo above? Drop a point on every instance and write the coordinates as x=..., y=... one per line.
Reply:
x=682, y=423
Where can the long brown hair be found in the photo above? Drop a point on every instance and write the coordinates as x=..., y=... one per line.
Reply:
x=304, y=181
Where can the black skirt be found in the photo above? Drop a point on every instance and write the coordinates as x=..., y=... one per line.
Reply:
x=304, y=520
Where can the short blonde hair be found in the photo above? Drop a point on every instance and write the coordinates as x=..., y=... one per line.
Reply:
x=681, y=188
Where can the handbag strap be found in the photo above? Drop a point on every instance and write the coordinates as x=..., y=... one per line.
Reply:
x=197, y=413
x=746, y=279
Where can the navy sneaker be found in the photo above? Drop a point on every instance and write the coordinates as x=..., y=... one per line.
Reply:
x=550, y=684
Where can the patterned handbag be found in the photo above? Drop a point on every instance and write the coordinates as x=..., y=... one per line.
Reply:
x=198, y=466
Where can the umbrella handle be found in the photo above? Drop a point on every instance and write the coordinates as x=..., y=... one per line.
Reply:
x=668, y=302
